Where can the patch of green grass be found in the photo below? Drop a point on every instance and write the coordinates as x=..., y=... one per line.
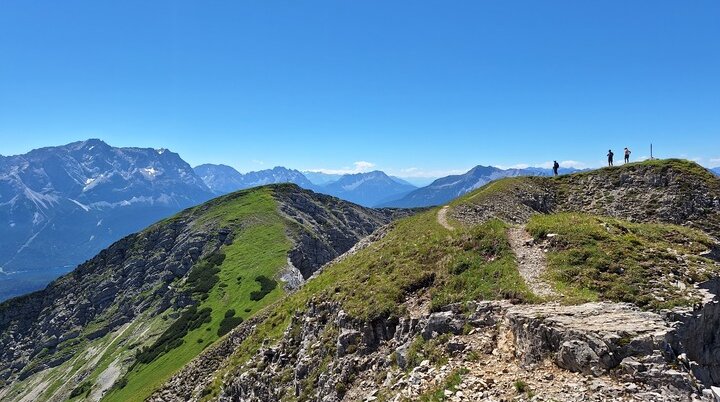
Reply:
x=521, y=386
x=229, y=322
x=203, y=276
x=432, y=350
x=189, y=320
x=595, y=258
x=451, y=383
x=483, y=267
x=82, y=389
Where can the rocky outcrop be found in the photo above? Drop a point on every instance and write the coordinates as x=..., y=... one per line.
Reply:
x=697, y=337
x=522, y=198
x=674, y=191
x=589, y=338
x=325, y=226
x=324, y=355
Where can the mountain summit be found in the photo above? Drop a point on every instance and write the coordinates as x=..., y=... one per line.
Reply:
x=370, y=188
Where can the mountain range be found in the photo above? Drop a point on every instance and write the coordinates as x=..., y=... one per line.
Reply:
x=370, y=189
x=61, y=205
x=367, y=189
x=605, y=283
x=223, y=179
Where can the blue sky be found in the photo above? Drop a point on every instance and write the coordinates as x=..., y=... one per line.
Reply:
x=416, y=88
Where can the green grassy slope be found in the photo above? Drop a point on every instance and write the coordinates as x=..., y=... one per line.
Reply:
x=259, y=248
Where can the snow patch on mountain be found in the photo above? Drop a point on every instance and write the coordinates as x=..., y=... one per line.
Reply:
x=81, y=205
x=43, y=201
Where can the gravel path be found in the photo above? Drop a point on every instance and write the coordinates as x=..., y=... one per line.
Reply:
x=442, y=218
x=530, y=260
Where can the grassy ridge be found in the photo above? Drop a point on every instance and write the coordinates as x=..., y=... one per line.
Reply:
x=418, y=253
x=259, y=248
x=596, y=258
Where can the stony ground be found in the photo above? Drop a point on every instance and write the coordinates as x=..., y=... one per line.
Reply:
x=504, y=359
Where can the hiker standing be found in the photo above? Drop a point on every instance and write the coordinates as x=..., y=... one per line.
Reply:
x=556, y=166
x=610, y=157
x=627, y=155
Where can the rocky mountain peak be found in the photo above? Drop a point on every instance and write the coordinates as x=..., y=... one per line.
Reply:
x=64, y=204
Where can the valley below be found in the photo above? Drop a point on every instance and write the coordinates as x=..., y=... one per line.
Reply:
x=13, y=284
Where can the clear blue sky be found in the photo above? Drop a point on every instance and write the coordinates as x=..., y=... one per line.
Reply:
x=411, y=87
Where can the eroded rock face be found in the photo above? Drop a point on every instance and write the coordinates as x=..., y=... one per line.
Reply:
x=697, y=337
x=442, y=323
x=324, y=355
x=326, y=226
x=516, y=205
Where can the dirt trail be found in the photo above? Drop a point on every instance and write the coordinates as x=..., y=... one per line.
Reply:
x=442, y=218
x=530, y=260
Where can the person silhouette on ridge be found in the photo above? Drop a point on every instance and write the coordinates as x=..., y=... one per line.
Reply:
x=610, y=157
x=556, y=166
x=627, y=155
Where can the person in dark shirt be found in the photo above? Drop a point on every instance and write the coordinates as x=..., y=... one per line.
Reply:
x=556, y=166
x=610, y=157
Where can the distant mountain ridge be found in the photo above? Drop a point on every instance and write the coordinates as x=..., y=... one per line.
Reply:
x=370, y=188
x=716, y=170
x=447, y=188
x=223, y=179
x=320, y=178
x=367, y=189
x=61, y=205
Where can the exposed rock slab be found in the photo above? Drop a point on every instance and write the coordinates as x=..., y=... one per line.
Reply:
x=590, y=338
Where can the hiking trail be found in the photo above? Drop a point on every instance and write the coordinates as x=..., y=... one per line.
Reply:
x=531, y=261
x=442, y=218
